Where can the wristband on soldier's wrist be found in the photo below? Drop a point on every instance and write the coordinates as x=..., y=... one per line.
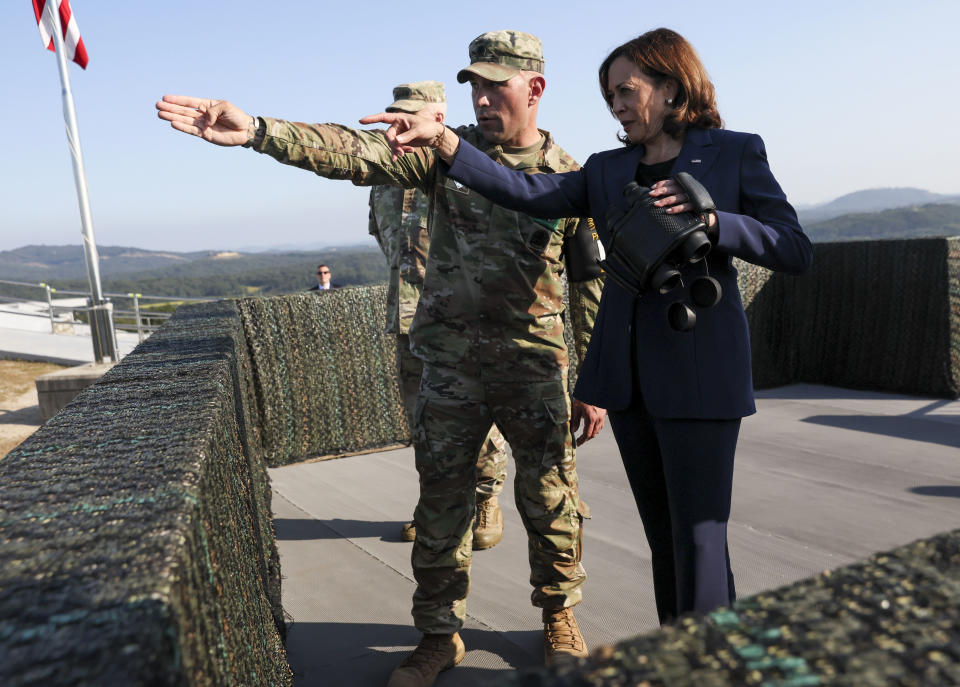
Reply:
x=256, y=131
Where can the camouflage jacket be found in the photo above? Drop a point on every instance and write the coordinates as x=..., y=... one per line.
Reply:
x=398, y=220
x=492, y=295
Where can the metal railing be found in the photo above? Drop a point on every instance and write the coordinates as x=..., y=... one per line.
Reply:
x=142, y=321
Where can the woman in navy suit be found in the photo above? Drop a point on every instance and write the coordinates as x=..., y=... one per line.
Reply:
x=674, y=398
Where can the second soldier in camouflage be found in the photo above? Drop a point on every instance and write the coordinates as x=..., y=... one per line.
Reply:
x=398, y=221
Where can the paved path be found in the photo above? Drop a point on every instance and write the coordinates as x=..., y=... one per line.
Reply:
x=63, y=349
x=824, y=477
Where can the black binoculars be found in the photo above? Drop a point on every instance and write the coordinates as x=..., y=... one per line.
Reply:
x=648, y=246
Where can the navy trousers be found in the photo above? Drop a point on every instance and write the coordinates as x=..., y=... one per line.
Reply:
x=681, y=474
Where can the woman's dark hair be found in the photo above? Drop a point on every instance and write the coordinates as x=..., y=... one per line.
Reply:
x=664, y=54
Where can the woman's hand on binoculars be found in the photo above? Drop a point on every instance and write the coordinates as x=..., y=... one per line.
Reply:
x=670, y=194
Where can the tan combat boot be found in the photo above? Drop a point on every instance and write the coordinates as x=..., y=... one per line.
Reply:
x=408, y=532
x=561, y=635
x=434, y=654
x=487, y=524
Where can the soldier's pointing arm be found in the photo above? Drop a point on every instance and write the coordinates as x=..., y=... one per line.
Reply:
x=330, y=150
x=336, y=151
x=216, y=121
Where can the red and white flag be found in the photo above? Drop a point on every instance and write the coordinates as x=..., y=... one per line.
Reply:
x=71, y=32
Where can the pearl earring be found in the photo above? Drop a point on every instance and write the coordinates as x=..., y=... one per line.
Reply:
x=669, y=101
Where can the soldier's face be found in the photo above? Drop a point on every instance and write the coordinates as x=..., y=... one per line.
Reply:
x=502, y=107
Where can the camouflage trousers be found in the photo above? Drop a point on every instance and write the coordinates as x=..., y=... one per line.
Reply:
x=492, y=459
x=454, y=412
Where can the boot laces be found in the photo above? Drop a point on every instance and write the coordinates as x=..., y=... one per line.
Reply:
x=562, y=631
x=484, y=514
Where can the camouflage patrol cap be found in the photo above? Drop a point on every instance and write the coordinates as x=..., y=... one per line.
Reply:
x=414, y=96
x=500, y=55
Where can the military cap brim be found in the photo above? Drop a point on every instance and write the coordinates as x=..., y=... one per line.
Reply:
x=492, y=71
x=410, y=106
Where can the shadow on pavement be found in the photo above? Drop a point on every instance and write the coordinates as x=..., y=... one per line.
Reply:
x=22, y=416
x=901, y=426
x=360, y=654
x=296, y=529
x=947, y=490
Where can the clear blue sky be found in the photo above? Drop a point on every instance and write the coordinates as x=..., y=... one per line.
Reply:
x=847, y=95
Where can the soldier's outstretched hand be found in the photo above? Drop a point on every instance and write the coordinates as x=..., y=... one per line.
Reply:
x=410, y=131
x=217, y=121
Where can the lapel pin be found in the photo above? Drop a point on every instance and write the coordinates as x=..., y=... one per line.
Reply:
x=695, y=162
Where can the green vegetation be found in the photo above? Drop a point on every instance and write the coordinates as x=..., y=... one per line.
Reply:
x=188, y=275
x=911, y=222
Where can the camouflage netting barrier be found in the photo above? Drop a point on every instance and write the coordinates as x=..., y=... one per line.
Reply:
x=882, y=315
x=890, y=620
x=325, y=373
x=137, y=547
x=136, y=543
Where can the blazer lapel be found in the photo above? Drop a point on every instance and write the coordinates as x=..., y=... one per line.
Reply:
x=697, y=154
x=622, y=172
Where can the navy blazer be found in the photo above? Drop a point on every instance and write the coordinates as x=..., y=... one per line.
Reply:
x=703, y=373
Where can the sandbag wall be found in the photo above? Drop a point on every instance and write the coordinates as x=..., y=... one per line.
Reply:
x=136, y=543
x=893, y=619
x=881, y=315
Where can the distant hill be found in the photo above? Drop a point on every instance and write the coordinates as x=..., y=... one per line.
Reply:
x=67, y=262
x=938, y=219
x=204, y=273
x=873, y=200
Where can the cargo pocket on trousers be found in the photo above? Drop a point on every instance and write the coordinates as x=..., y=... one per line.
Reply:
x=558, y=409
x=556, y=435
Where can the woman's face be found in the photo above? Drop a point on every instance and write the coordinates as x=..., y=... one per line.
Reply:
x=637, y=101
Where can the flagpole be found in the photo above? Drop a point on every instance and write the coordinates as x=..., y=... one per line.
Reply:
x=101, y=313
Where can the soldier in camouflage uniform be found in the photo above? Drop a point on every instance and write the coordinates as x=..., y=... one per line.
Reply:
x=488, y=328
x=398, y=220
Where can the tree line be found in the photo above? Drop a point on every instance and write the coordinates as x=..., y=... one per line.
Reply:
x=246, y=275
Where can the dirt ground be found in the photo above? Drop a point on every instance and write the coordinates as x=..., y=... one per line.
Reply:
x=19, y=409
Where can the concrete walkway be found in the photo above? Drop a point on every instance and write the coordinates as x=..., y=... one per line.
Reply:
x=63, y=349
x=824, y=477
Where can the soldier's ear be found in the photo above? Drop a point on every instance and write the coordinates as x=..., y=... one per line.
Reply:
x=440, y=117
x=537, y=85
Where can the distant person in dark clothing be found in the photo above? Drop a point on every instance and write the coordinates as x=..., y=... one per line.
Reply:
x=324, y=280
